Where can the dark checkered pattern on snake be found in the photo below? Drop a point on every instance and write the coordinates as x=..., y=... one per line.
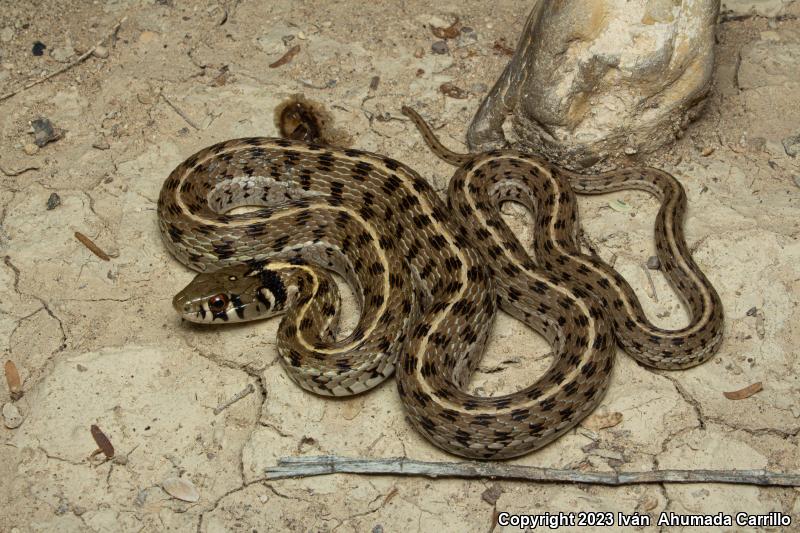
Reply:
x=429, y=277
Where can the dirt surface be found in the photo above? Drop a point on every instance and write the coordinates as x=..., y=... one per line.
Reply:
x=97, y=342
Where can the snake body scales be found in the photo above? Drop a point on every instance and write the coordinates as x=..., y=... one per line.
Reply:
x=429, y=277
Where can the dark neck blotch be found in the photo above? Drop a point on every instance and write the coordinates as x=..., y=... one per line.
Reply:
x=271, y=281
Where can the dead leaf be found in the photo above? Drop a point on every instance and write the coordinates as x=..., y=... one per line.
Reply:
x=13, y=380
x=180, y=488
x=450, y=32
x=287, y=57
x=453, y=91
x=602, y=421
x=746, y=392
x=102, y=442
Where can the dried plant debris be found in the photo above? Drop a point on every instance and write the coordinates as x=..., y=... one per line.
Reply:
x=450, y=32
x=287, y=57
x=181, y=489
x=744, y=393
x=301, y=119
x=453, y=91
x=96, y=250
x=13, y=380
x=501, y=47
x=103, y=443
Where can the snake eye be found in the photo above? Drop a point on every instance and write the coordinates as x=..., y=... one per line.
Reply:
x=218, y=303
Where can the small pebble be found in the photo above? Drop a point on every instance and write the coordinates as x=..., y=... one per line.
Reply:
x=62, y=508
x=44, y=132
x=467, y=36
x=101, y=52
x=796, y=178
x=11, y=416
x=791, y=145
x=30, y=148
x=492, y=494
x=147, y=37
x=377, y=529
x=79, y=510
x=38, y=48
x=440, y=47
x=62, y=54
x=707, y=151
x=102, y=144
x=419, y=53
x=653, y=263
x=53, y=201
x=141, y=498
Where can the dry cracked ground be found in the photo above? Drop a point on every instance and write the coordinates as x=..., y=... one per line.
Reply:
x=97, y=342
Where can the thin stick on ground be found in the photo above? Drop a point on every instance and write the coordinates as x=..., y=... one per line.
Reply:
x=294, y=467
x=239, y=395
x=180, y=112
x=68, y=66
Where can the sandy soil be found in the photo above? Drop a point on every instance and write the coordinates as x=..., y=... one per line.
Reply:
x=97, y=342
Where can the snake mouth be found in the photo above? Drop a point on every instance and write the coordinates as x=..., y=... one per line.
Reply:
x=190, y=309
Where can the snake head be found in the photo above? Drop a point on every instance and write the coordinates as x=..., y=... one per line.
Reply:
x=232, y=294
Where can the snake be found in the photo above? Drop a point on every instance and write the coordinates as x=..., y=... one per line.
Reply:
x=268, y=222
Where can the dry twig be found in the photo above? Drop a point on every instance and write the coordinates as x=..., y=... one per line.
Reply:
x=294, y=467
x=89, y=243
x=180, y=112
x=66, y=67
x=287, y=57
x=239, y=395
